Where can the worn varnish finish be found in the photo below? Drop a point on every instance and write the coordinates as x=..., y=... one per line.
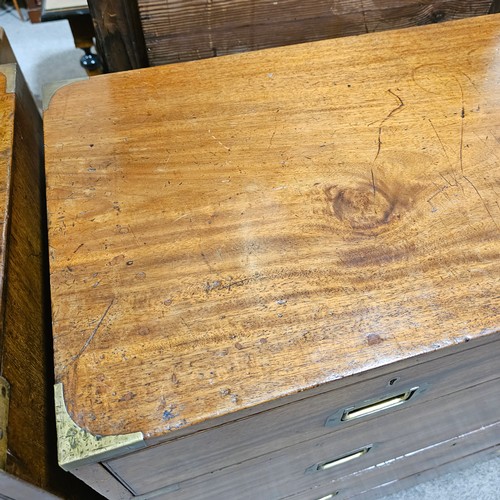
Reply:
x=181, y=30
x=284, y=224
x=25, y=342
x=280, y=235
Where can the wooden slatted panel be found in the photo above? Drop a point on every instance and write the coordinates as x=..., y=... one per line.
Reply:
x=181, y=30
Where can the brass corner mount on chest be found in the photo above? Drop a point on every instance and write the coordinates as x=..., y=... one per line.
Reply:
x=77, y=447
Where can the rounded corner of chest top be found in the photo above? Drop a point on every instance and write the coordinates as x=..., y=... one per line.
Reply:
x=51, y=89
x=77, y=446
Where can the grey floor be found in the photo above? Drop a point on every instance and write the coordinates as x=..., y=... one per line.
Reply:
x=46, y=53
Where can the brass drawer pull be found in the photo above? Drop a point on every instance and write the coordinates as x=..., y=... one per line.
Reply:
x=384, y=404
x=370, y=407
x=339, y=461
x=328, y=497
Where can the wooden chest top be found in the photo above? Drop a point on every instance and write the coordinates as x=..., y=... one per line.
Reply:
x=228, y=232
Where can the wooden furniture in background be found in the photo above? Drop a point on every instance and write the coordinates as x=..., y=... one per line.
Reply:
x=267, y=264
x=182, y=30
x=34, y=8
x=120, y=40
x=28, y=459
x=82, y=29
x=61, y=9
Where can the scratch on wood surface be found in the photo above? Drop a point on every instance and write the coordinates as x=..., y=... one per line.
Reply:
x=391, y=113
x=448, y=181
x=275, y=128
x=379, y=143
x=470, y=80
x=439, y=191
x=487, y=145
x=462, y=137
x=373, y=183
x=204, y=257
x=181, y=217
x=271, y=140
x=398, y=107
x=440, y=141
x=219, y=142
x=91, y=337
x=482, y=200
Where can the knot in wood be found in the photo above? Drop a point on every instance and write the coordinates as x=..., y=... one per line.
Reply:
x=363, y=208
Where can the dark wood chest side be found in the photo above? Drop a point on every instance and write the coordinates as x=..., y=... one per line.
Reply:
x=26, y=365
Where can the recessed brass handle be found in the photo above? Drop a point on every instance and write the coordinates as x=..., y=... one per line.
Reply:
x=384, y=404
x=329, y=464
x=370, y=407
x=328, y=497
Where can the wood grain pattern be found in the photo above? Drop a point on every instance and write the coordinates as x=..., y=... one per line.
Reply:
x=274, y=222
x=180, y=30
x=281, y=473
x=299, y=422
x=22, y=340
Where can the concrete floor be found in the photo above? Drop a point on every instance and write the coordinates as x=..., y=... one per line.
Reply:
x=46, y=53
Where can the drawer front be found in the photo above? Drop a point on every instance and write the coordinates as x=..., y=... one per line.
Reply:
x=303, y=420
x=345, y=451
x=374, y=481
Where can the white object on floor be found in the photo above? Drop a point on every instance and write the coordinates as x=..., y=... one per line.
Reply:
x=65, y=4
x=45, y=51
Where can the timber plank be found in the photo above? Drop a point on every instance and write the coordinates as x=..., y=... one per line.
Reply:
x=181, y=30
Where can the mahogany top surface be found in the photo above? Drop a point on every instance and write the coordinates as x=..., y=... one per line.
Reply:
x=227, y=232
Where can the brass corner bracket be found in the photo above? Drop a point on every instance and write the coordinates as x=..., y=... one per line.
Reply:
x=76, y=446
x=50, y=89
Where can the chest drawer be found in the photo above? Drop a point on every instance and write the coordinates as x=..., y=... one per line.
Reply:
x=401, y=471
x=277, y=473
x=310, y=418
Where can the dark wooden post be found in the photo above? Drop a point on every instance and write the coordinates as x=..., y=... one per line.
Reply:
x=120, y=40
x=495, y=7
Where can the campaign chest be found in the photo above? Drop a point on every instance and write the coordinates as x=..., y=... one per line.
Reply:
x=275, y=274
